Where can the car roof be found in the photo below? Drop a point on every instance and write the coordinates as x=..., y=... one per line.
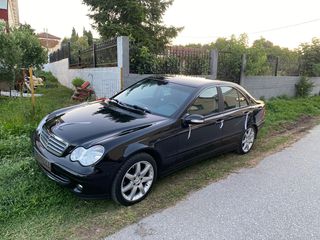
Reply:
x=197, y=82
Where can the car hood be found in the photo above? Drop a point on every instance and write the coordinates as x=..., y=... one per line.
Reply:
x=98, y=120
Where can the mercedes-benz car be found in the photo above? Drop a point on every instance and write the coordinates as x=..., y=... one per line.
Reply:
x=118, y=147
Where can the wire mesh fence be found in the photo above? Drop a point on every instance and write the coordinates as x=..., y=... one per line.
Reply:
x=273, y=65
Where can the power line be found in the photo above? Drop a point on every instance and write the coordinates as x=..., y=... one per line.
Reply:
x=287, y=26
x=255, y=32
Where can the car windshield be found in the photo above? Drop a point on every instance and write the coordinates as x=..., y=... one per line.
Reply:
x=159, y=97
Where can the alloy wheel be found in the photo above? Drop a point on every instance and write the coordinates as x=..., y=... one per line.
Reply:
x=248, y=139
x=137, y=181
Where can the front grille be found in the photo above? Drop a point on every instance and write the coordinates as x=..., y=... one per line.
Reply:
x=52, y=143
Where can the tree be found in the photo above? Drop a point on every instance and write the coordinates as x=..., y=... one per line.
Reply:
x=141, y=20
x=230, y=52
x=310, y=58
x=89, y=36
x=268, y=52
x=9, y=55
x=32, y=54
x=77, y=43
x=74, y=35
x=20, y=48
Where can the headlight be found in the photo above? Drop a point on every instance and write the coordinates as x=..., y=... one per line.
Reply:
x=42, y=122
x=89, y=156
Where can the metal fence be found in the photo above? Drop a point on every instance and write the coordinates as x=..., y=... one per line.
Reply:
x=60, y=54
x=102, y=54
x=186, y=61
x=173, y=60
x=229, y=66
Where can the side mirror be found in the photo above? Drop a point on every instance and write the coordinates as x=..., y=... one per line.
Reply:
x=194, y=119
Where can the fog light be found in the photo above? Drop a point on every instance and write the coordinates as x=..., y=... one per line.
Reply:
x=78, y=188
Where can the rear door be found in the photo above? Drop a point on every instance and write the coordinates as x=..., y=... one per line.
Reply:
x=236, y=112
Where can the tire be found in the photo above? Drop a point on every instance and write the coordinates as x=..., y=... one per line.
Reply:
x=133, y=183
x=247, y=140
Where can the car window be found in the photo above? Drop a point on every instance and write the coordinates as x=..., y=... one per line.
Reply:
x=242, y=100
x=232, y=98
x=159, y=97
x=206, y=103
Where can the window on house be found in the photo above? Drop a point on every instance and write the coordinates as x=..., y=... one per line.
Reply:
x=4, y=4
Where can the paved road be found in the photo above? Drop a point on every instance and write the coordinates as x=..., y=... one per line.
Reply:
x=278, y=199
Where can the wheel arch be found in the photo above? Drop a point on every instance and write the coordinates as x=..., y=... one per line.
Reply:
x=141, y=148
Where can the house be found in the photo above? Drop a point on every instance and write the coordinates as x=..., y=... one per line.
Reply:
x=49, y=41
x=9, y=12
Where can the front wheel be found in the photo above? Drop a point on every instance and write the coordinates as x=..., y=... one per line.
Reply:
x=134, y=180
x=247, y=140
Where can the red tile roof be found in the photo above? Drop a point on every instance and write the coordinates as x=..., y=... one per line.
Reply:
x=50, y=43
x=47, y=35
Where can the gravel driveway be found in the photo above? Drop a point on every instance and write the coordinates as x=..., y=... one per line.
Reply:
x=277, y=199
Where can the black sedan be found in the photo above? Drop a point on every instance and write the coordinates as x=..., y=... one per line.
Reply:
x=118, y=147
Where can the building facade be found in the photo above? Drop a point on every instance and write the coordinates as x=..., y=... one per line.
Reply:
x=9, y=12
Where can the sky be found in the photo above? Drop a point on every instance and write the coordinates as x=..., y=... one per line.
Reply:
x=285, y=23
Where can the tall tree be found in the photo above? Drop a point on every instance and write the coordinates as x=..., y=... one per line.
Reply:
x=88, y=35
x=74, y=35
x=141, y=20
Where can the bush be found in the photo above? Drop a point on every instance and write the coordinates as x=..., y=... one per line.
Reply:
x=49, y=79
x=77, y=82
x=304, y=87
x=142, y=61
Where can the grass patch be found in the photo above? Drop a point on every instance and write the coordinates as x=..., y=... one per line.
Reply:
x=34, y=207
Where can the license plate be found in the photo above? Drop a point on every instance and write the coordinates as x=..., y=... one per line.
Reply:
x=43, y=162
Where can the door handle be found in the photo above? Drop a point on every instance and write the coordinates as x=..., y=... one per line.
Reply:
x=221, y=123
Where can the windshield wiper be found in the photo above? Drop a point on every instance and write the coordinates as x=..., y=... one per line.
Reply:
x=116, y=101
x=144, y=109
x=134, y=107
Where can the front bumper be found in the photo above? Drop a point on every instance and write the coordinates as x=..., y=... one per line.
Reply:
x=86, y=182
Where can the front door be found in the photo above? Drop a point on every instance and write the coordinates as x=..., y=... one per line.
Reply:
x=200, y=139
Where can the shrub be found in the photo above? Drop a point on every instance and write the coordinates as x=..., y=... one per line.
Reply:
x=263, y=98
x=77, y=82
x=304, y=87
x=142, y=61
x=50, y=80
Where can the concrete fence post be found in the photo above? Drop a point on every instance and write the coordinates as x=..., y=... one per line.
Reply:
x=69, y=53
x=276, y=66
x=214, y=64
x=123, y=54
x=243, y=69
x=94, y=55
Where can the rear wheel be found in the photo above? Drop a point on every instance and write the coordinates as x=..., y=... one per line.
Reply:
x=247, y=140
x=134, y=180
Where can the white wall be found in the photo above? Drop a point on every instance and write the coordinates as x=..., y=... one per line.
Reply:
x=105, y=80
x=275, y=86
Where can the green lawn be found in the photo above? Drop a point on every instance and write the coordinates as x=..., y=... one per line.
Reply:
x=34, y=207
